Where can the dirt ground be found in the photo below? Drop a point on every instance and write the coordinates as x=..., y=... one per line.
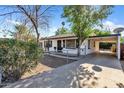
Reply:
x=47, y=63
x=55, y=62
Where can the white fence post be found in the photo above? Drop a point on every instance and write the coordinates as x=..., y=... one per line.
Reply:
x=118, y=48
x=67, y=56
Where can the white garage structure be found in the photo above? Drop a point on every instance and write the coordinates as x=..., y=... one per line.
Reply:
x=68, y=43
x=114, y=38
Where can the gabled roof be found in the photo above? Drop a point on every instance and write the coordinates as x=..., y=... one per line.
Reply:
x=60, y=36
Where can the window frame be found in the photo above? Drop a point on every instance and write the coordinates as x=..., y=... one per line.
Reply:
x=73, y=46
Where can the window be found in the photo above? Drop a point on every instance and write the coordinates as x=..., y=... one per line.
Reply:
x=41, y=45
x=50, y=43
x=88, y=44
x=63, y=43
x=47, y=43
x=70, y=44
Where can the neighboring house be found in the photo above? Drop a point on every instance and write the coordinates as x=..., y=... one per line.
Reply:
x=68, y=42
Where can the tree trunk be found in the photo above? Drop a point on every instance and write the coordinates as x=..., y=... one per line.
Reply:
x=78, y=52
x=79, y=43
x=38, y=38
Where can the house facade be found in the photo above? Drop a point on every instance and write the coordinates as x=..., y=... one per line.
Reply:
x=68, y=43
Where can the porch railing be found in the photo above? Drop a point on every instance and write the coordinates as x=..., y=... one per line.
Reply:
x=66, y=54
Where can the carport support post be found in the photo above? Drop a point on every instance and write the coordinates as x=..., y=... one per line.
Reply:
x=118, y=47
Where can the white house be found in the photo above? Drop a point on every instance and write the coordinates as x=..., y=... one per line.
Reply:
x=68, y=42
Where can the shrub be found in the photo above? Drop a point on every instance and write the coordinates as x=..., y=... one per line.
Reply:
x=105, y=45
x=17, y=57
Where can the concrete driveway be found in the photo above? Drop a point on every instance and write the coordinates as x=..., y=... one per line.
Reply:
x=95, y=70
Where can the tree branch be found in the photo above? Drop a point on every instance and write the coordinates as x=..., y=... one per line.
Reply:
x=45, y=10
x=9, y=13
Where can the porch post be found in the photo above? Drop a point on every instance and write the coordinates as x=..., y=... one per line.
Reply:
x=118, y=47
x=62, y=43
x=75, y=44
x=65, y=43
x=97, y=46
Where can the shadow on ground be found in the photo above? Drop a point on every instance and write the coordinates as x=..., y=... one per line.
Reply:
x=85, y=77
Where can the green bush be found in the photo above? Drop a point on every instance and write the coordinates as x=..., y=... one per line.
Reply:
x=17, y=57
x=105, y=45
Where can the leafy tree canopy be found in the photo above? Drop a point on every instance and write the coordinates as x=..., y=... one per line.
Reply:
x=23, y=33
x=101, y=32
x=83, y=18
x=122, y=39
x=62, y=30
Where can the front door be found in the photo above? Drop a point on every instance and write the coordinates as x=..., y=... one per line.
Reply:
x=59, y=45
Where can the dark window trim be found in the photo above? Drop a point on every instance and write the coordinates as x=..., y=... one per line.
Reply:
x=63, y=43
x=89, y=44
x=94, y=44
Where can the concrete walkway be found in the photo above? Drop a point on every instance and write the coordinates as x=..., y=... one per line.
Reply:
x=96, y=70
x=60, y=56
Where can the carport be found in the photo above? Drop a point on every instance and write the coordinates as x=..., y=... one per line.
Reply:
x=113, y=38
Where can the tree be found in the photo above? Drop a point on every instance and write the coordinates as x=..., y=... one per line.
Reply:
x=23, y=33
x=83, y=18
x=34, y=16
x=62, y=30
x=100, y=32
x=122, y=39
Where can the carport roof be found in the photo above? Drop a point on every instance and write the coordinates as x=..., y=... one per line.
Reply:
x=106, y=35
x=105, y=38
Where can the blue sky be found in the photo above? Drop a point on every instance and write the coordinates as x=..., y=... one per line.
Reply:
x=116, y=19
x=118, y=15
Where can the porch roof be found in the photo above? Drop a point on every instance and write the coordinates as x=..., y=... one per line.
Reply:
x=105, y=38
x=60, y=36
x=111, y=35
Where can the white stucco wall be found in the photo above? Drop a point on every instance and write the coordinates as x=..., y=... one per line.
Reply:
x=54, y=44
x=85, y=47
x=97, y=46
x=70, y=51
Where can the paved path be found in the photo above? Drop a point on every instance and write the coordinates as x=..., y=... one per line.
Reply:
x=96, y=70
x=65, y=57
